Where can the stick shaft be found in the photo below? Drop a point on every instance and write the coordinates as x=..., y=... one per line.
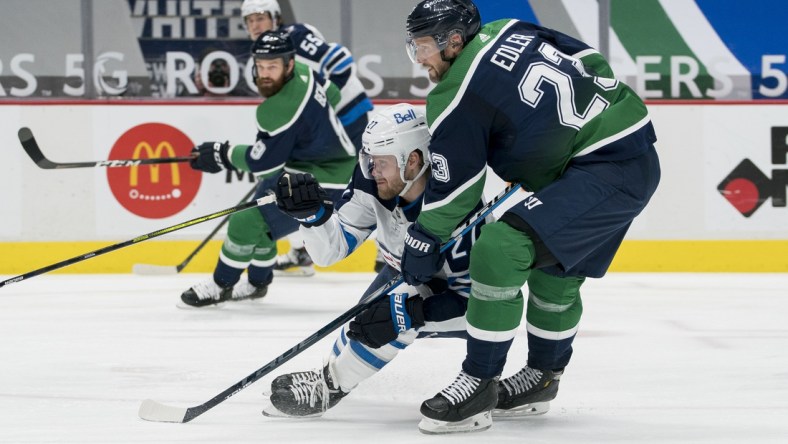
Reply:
x=154, y=411
x=34, y=151
x=138, y=239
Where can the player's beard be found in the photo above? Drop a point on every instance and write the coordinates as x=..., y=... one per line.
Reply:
x=390, y=189
x=436, y=71
x=268, y=86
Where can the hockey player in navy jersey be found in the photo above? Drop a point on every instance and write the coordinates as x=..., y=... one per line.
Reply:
x=332, y=61
x=384, y=195
x=544, y=110
x=297, y=130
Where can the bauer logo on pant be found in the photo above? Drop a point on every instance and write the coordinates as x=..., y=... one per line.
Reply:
x=159, y=190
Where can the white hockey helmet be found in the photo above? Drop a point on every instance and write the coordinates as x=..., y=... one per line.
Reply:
x=250, y=7
x=397, y=131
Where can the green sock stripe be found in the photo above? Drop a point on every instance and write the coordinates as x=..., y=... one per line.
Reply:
x=495, y=316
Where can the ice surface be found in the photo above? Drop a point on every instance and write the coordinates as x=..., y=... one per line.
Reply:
x=685, y=358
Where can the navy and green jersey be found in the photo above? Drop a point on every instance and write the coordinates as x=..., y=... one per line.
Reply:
x=334, y=62
x=525, y=100
x=298, y=131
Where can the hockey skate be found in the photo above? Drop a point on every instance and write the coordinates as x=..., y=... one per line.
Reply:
x=244, y=290
x=304, y=394
x=463, y=406
x=295, y=262
x=206, y=293
x=527, y=393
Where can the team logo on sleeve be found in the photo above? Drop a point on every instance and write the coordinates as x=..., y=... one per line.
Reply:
x=440, y=167
x=257, y=150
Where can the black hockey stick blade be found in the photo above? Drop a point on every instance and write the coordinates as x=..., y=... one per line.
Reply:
x=34, y=151
x=255, y=203
x=155, y=411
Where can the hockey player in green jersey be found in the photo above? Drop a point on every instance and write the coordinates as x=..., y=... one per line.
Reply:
x=297, y=131
x=541, y=109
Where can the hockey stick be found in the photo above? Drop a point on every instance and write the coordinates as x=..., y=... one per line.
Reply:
x=150, y=269
x=31, y=148
x=151, y=410
x=261, y=201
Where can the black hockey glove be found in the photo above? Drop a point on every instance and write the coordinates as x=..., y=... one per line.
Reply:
x=385, y=319
x=422, y=258
x=301, y=197
x=211, y=157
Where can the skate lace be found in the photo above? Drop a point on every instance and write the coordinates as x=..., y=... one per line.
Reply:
x=461, y=388
x=299, y=378
x=207, y=290
x=243, y=289
x=310, y=388
x=524, y=380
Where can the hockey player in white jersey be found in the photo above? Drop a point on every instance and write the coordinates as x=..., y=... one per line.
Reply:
x=384, y=195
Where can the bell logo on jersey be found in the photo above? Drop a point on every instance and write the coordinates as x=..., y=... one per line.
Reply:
x=400, y=118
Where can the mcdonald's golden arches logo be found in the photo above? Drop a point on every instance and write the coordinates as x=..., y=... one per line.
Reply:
x=159, y=190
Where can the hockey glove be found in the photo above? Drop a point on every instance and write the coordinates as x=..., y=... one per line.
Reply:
x=302, y=198
x=421, y=258
x=211, y=157
x=385, y=319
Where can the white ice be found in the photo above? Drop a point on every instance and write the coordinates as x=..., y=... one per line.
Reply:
x=679, y=358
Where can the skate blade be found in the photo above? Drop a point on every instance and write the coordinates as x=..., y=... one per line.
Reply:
x=184, y=306
x=476, y=423
x=533, y=409
x=273, y=412
x=295, y=272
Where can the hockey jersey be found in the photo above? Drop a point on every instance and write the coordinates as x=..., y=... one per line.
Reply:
x=299, y=132
x=334, y=62
x=525, y=100
x=361, y=211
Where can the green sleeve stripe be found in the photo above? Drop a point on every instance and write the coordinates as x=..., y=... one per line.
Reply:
x=333, y=94
x=333, y=173
x=610, y=139
x=442, y=219
x=592, y=59
x=269, y=172
x=237, y=156
x=480, y=176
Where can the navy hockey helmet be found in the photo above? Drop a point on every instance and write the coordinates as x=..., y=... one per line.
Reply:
x=440, y=19
x=273, y=45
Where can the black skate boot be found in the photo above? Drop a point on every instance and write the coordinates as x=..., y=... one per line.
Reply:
x=295, y=262
x=246, y=290
x=304, y=394
x=528, y=392
x=464, y=406
x=206, y=293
